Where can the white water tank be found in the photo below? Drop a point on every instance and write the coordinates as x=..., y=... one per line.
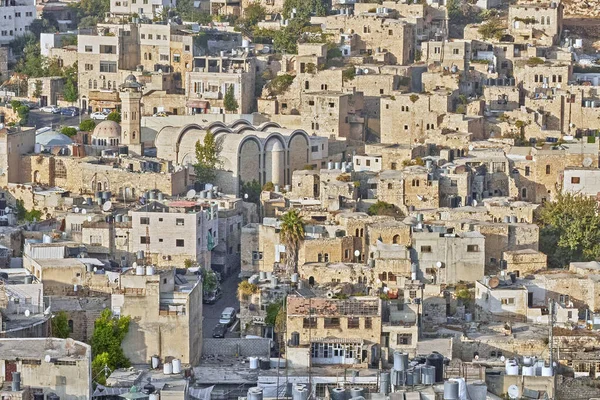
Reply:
x=578, y=43
x=547, y=371
x=154, y=396
x=528, y=370
x=155, y=362
x=167, y=368
x=139, y=270
x=528, y=360
x=150, y=270
x=253, y=362
x=47, y=239
x=512, y=368
x=176, y=366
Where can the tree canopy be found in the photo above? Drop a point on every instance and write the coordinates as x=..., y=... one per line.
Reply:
x=87, y=125
x=291, y=235
x=114, y=116
x=109, y=332
x=207, y=158
x=569, y=229
x=383, y=208
x=230, y=103
x=60, y=325
x=209, y=280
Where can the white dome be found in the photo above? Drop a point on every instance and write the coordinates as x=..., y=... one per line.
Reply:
x=52, y=139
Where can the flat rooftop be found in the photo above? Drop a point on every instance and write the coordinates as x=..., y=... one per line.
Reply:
x=63, y=349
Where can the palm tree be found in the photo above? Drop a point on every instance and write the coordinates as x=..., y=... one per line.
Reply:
x=291, y=235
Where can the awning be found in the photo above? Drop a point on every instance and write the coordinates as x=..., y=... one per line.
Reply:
x=197, y=104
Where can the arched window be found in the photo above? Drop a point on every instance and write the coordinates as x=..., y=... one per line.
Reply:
x=391, y=276
x=524, y=193
x=383, y=276
x=95, y=84
x=109, y=85
x=60, y=171
x=90, y=84
x=133, y=135
x=320, y=257
x=70, y=325
x=99, y=186
x=145, y=56
x=396, y=239
x=311, y=280
x=357, y=232
x=362, y=232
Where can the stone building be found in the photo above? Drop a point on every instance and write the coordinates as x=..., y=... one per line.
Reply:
x=334, y=331
x=267, y=153
x=169, y=234
x=166, y=315
x=524, y=262
x=67, y=374
x=536, y=23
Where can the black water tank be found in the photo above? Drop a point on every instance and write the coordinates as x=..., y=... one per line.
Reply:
x=53, y=396
x=149, y=388
x=436, y=360
x=38, y=396
x=265, y=363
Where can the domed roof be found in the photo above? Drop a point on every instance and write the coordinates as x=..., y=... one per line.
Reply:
x=107, y=130
x=52, y=138
x=131, y=78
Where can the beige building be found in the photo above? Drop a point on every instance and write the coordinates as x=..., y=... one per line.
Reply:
x=537, y=23
x=166, y=315
x=46, y=365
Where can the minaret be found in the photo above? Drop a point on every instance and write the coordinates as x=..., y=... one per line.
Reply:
x=131, y=96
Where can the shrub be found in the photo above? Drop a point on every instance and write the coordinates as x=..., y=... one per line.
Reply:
x=87, y=126
x=69, y=131
x=268, y=187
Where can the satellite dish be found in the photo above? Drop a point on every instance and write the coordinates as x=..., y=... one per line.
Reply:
x=83, y=211
x=27, y=313
x=471, y=147
x=439, y=264
x=190, y=194
x=513, y=392
x=421, y=198
x=107, y=206
x=7, y=210
x=48, y=358
x=587, y=162
x=476, y=357
x=90, y=218
x=494, y=282
x=502, y=358
x=356, y=253
x=76, y=209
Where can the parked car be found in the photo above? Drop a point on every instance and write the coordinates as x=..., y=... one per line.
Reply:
x=99, y=116
x=51, y=109
x=227, y=316
x=212, y=297
x=69, y=111
x=160, y=114
x=219, y=331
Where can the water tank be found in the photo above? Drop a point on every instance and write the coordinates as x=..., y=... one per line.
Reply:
x=343, y=166
x=274, y=282
x=155, y=362
x=528, y=370
x=436, y=360
x=338, y=165
x=150, y=271
x=47, y=239
x=176, y=366
x=255, y=393
x=151, y=195
x=410, y=377
x=427, y=375
x=294, y=277
x=546, y=371
x=512, y=368
x=329, y=165
x=89, y=201
x=398, y=377
x=262, y=275
x=468, y=317
x=477, y=391
x=245, y=43
x=451, y=390
x=295, y=339
x=338, y=394
x=140, y=270
x=357, y=392
x=265, y=364
x=539, y=364
x=106, y=195
x=400, y=361
x=528, y=360
x=140, y=254
x=119, y=218
x=276, y=189
x=125, y=218
x=416, y=375
x=384, y=383
x=578, y=43
x=38, y=396
x=419, y=217
x=28, y=279
x=16, y=382
x=514, y=219
x=160, y=196
x=588, y=103
x=300, y=392
x=253, y=362
x=37, y=148
x=167, y=368
x=209, y=194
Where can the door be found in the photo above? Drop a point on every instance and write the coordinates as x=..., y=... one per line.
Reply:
x=9, y=368
x=530, y=299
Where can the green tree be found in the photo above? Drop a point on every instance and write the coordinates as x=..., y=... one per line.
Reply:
x=114, y=116
x=87, y=125
x=253, y=14
x=569, y=229
x=209, y=280
x=23, y=113
x=202, y=18
x=24, y=215
x=87, y=13
x=383, y=208
x=207, y=158
x=229, y=101
x=70, y=91
x=492, y=29
x=109, y=332
x=68, y=131
x=252, y=189
x=291, y=235
x=46, y=24
x=272, y=311
x=60, y=325
x=38, y=89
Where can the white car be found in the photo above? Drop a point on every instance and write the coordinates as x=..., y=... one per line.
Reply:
x=51, y=109
x=99, y=115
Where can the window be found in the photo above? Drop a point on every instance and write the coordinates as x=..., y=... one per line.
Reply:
x=472, y=248
x=390, y=32
x=176, y=58
x=164, y=57
x=453, y=183
x=368, y=323
x=390, y=185
x=425, y=249
x=70, y=323
x=527, y=171
x=569, y=314
x=353, y=323
x=144, y=240
x=187, y=47
x=332, y=323
x=18, y=14
x=509, y=301
x=548, y=169
x=309, y=322
x=179, y=222
x=179, y=243
x=331, y=105
x=455, y=51
x=144, y=221
x=88, y=49
x=257, y=255
x=404, y=339
x=575, y=179
x=368, y=163
x=150, y=36
x=436, y=50
x=29, y=14
x=524, y=193
x=415, y=182
x=108, y=66
x=89, y=67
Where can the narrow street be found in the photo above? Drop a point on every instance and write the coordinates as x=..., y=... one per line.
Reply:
x=212, y=312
